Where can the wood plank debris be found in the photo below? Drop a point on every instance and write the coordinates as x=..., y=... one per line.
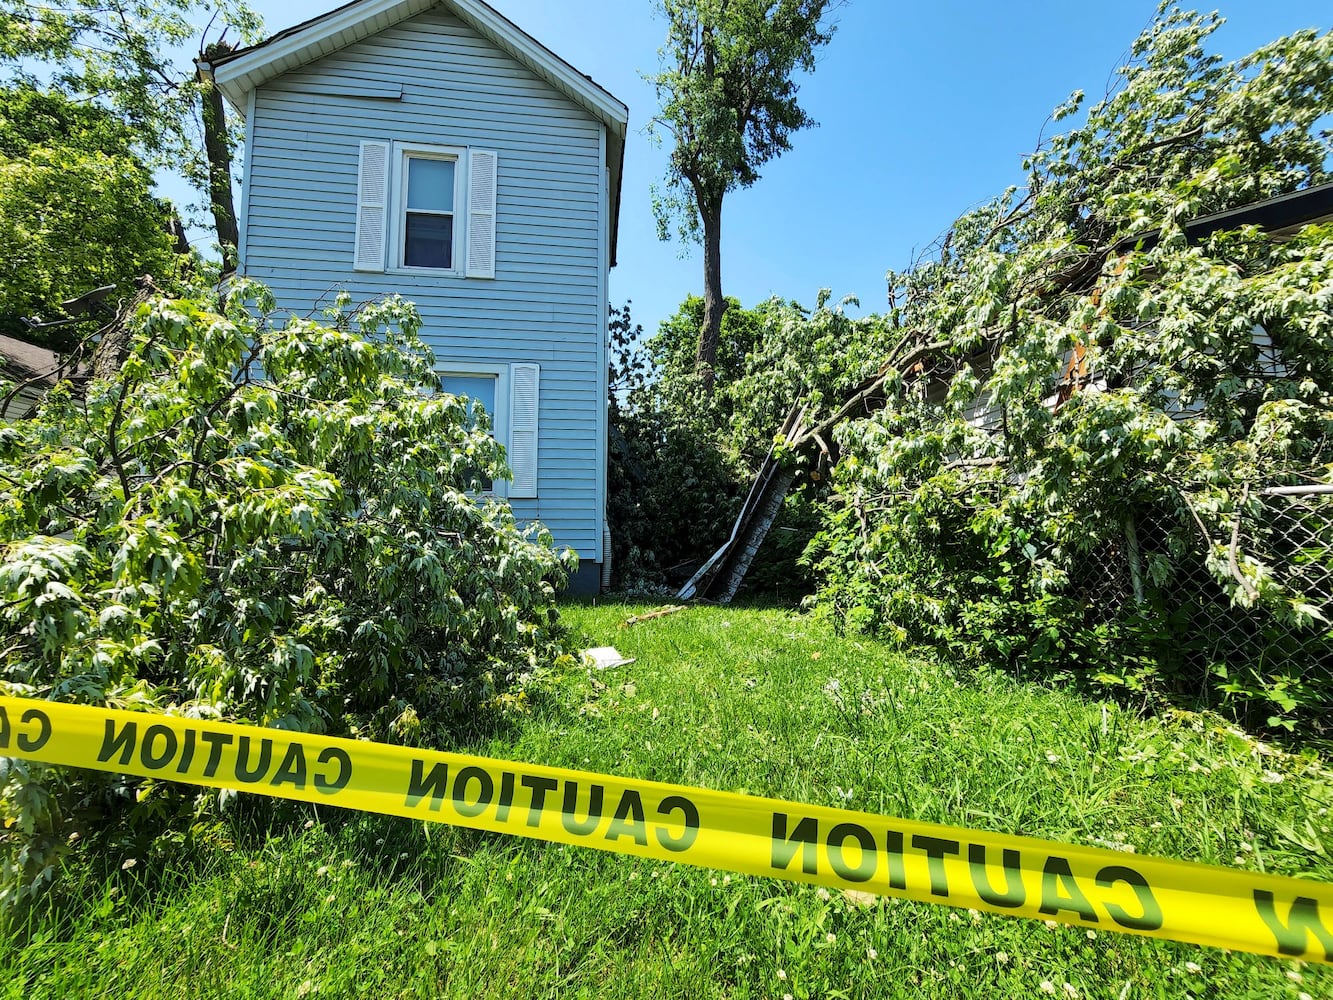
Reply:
x=670, y=609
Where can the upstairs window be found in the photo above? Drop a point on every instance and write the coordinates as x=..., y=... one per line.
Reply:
x=429, y=196
x=426, y=209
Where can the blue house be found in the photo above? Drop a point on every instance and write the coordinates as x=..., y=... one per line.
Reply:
x=433, y=149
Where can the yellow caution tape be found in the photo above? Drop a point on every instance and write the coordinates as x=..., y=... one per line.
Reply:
x=1018, y=876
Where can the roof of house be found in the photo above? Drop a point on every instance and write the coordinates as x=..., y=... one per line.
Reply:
x=21, y=361
x=1279, y=215
x=30, y=370
x=242, y=71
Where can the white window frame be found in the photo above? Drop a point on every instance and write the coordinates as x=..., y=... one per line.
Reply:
x=499, y=419
x=381, y=209
x=401, y=153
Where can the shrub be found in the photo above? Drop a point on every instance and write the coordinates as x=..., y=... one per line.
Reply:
x=305, y=548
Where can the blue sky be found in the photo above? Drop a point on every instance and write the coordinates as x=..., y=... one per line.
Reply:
x=925, y=110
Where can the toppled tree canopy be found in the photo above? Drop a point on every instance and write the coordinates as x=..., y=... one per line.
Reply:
x=1115, y=391
x=304, y=548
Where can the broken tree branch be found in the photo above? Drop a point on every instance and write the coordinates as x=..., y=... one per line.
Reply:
x=868, y=390
x=670, y=609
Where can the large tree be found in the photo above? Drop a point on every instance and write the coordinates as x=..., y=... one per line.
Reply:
x=1096, y=262
x=729, y=103
x=77, y=211
x=125, y=56
x=1089, y=477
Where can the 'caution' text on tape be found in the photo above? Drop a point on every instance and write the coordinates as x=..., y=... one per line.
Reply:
x=1019, y=876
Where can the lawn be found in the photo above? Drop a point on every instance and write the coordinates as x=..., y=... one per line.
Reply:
x=757, y=700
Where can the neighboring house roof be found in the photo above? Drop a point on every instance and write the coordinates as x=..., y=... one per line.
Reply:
x=21, y=361
x=240, y=72
x=1281, y=215
x=31, y=370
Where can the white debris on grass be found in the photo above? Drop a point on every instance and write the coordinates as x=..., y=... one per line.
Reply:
x=605, y=657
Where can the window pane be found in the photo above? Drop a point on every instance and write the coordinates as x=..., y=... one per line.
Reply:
x=429, y=242
x=480, y=387
x=430, y=184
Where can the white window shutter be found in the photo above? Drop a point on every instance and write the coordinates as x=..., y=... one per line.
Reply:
x=372, y=206
x=524, y=382
x=482, y=171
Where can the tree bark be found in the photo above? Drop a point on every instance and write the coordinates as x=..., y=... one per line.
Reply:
x=113, y=345
x=176, y=230
x=710, y=213
x=773, y=482
x=729, y=564
x=217, y=147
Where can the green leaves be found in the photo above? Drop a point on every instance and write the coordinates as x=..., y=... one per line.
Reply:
x=120, y=55
x=76, y=210
x=306, y=550
x=729, y=103
x=728, y=95
x=726, y=84
x=1086, y=491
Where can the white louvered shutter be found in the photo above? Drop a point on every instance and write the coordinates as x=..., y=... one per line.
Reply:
x=372, y=206
x=482, y=171
x=523, y=397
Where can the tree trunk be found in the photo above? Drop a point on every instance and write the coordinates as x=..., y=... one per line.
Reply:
x=727, y=567
x=113, y=345
x=714, y=304
x=176, y=230
x=723, y=574
x=217, y=147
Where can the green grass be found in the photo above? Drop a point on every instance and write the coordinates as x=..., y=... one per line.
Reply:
x=756, y=700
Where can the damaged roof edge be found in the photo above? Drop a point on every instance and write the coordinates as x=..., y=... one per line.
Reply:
x=1275, y=215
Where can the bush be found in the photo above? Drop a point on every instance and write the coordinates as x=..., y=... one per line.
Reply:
x=305, y=549
x=674, y=485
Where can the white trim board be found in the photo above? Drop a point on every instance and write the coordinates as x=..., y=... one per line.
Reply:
x=246, y=69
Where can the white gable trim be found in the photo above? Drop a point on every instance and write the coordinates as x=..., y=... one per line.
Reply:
x=542, y=61
x=246, y=69
x=243, y=220
x=601, y=104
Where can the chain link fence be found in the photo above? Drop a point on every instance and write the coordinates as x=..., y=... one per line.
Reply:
x=1287, y=535
x=1248, y=613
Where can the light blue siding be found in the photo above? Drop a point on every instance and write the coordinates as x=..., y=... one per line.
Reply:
x=546, y=303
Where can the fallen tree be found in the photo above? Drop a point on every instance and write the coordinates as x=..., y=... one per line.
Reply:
x=1027, y=294
x=802, y=438
x=279, y=523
